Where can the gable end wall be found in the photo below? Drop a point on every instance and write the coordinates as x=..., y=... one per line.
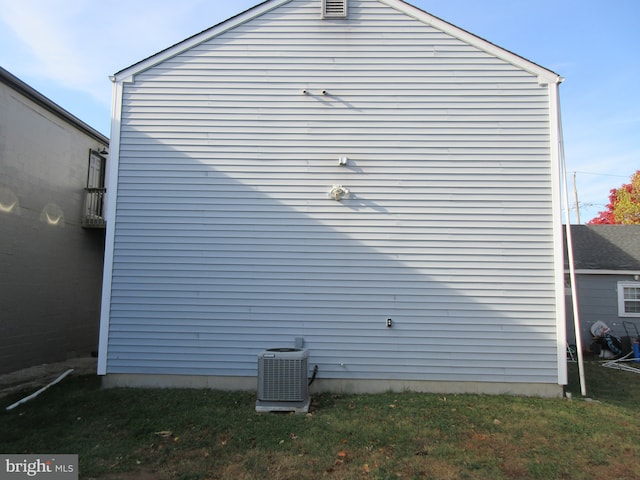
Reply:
x=226, y=242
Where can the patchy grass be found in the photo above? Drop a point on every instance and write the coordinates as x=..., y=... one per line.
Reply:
x=122, y=434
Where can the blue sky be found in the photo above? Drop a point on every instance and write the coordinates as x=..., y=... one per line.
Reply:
x=66, y=49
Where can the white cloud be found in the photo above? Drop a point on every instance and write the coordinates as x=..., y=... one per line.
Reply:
x=79, y=43
x=51, y=30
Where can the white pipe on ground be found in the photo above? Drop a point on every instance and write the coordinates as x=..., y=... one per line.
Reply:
x=35, y=394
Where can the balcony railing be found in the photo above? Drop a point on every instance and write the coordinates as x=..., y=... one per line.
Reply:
x=93, y=213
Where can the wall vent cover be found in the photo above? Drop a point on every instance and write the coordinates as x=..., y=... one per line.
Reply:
x=334, y=8
x=282, y=380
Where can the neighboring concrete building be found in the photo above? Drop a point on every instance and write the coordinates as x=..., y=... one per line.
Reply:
x=359, y=177
x=50, y=266
x=607, y=265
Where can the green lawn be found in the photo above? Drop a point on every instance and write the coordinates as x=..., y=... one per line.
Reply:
x=201, y=434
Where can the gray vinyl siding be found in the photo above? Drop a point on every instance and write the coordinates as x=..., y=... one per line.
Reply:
x=226, y=242
x=598, y=297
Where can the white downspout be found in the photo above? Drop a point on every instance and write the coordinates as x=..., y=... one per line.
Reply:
x=572, y=270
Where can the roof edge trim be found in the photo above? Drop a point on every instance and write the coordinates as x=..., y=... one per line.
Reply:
x=545, y=76
x=595, y=271
x=184, y=45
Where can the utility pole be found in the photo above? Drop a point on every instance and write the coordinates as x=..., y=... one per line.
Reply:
x=575, y=196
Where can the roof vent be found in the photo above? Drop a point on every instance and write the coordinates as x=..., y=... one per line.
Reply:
x=334, y=8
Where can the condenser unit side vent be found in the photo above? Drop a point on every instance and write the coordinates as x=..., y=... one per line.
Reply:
x=282, y=380
x=334, y=8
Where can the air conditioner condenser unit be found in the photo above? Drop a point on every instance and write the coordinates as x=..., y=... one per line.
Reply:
x=282, y=380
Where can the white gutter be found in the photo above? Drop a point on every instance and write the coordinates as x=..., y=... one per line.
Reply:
x=586, y=271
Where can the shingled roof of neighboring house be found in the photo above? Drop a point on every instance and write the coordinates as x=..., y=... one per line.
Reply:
x=606, y=247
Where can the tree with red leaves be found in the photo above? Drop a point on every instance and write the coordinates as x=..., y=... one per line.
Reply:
x=624, y=205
